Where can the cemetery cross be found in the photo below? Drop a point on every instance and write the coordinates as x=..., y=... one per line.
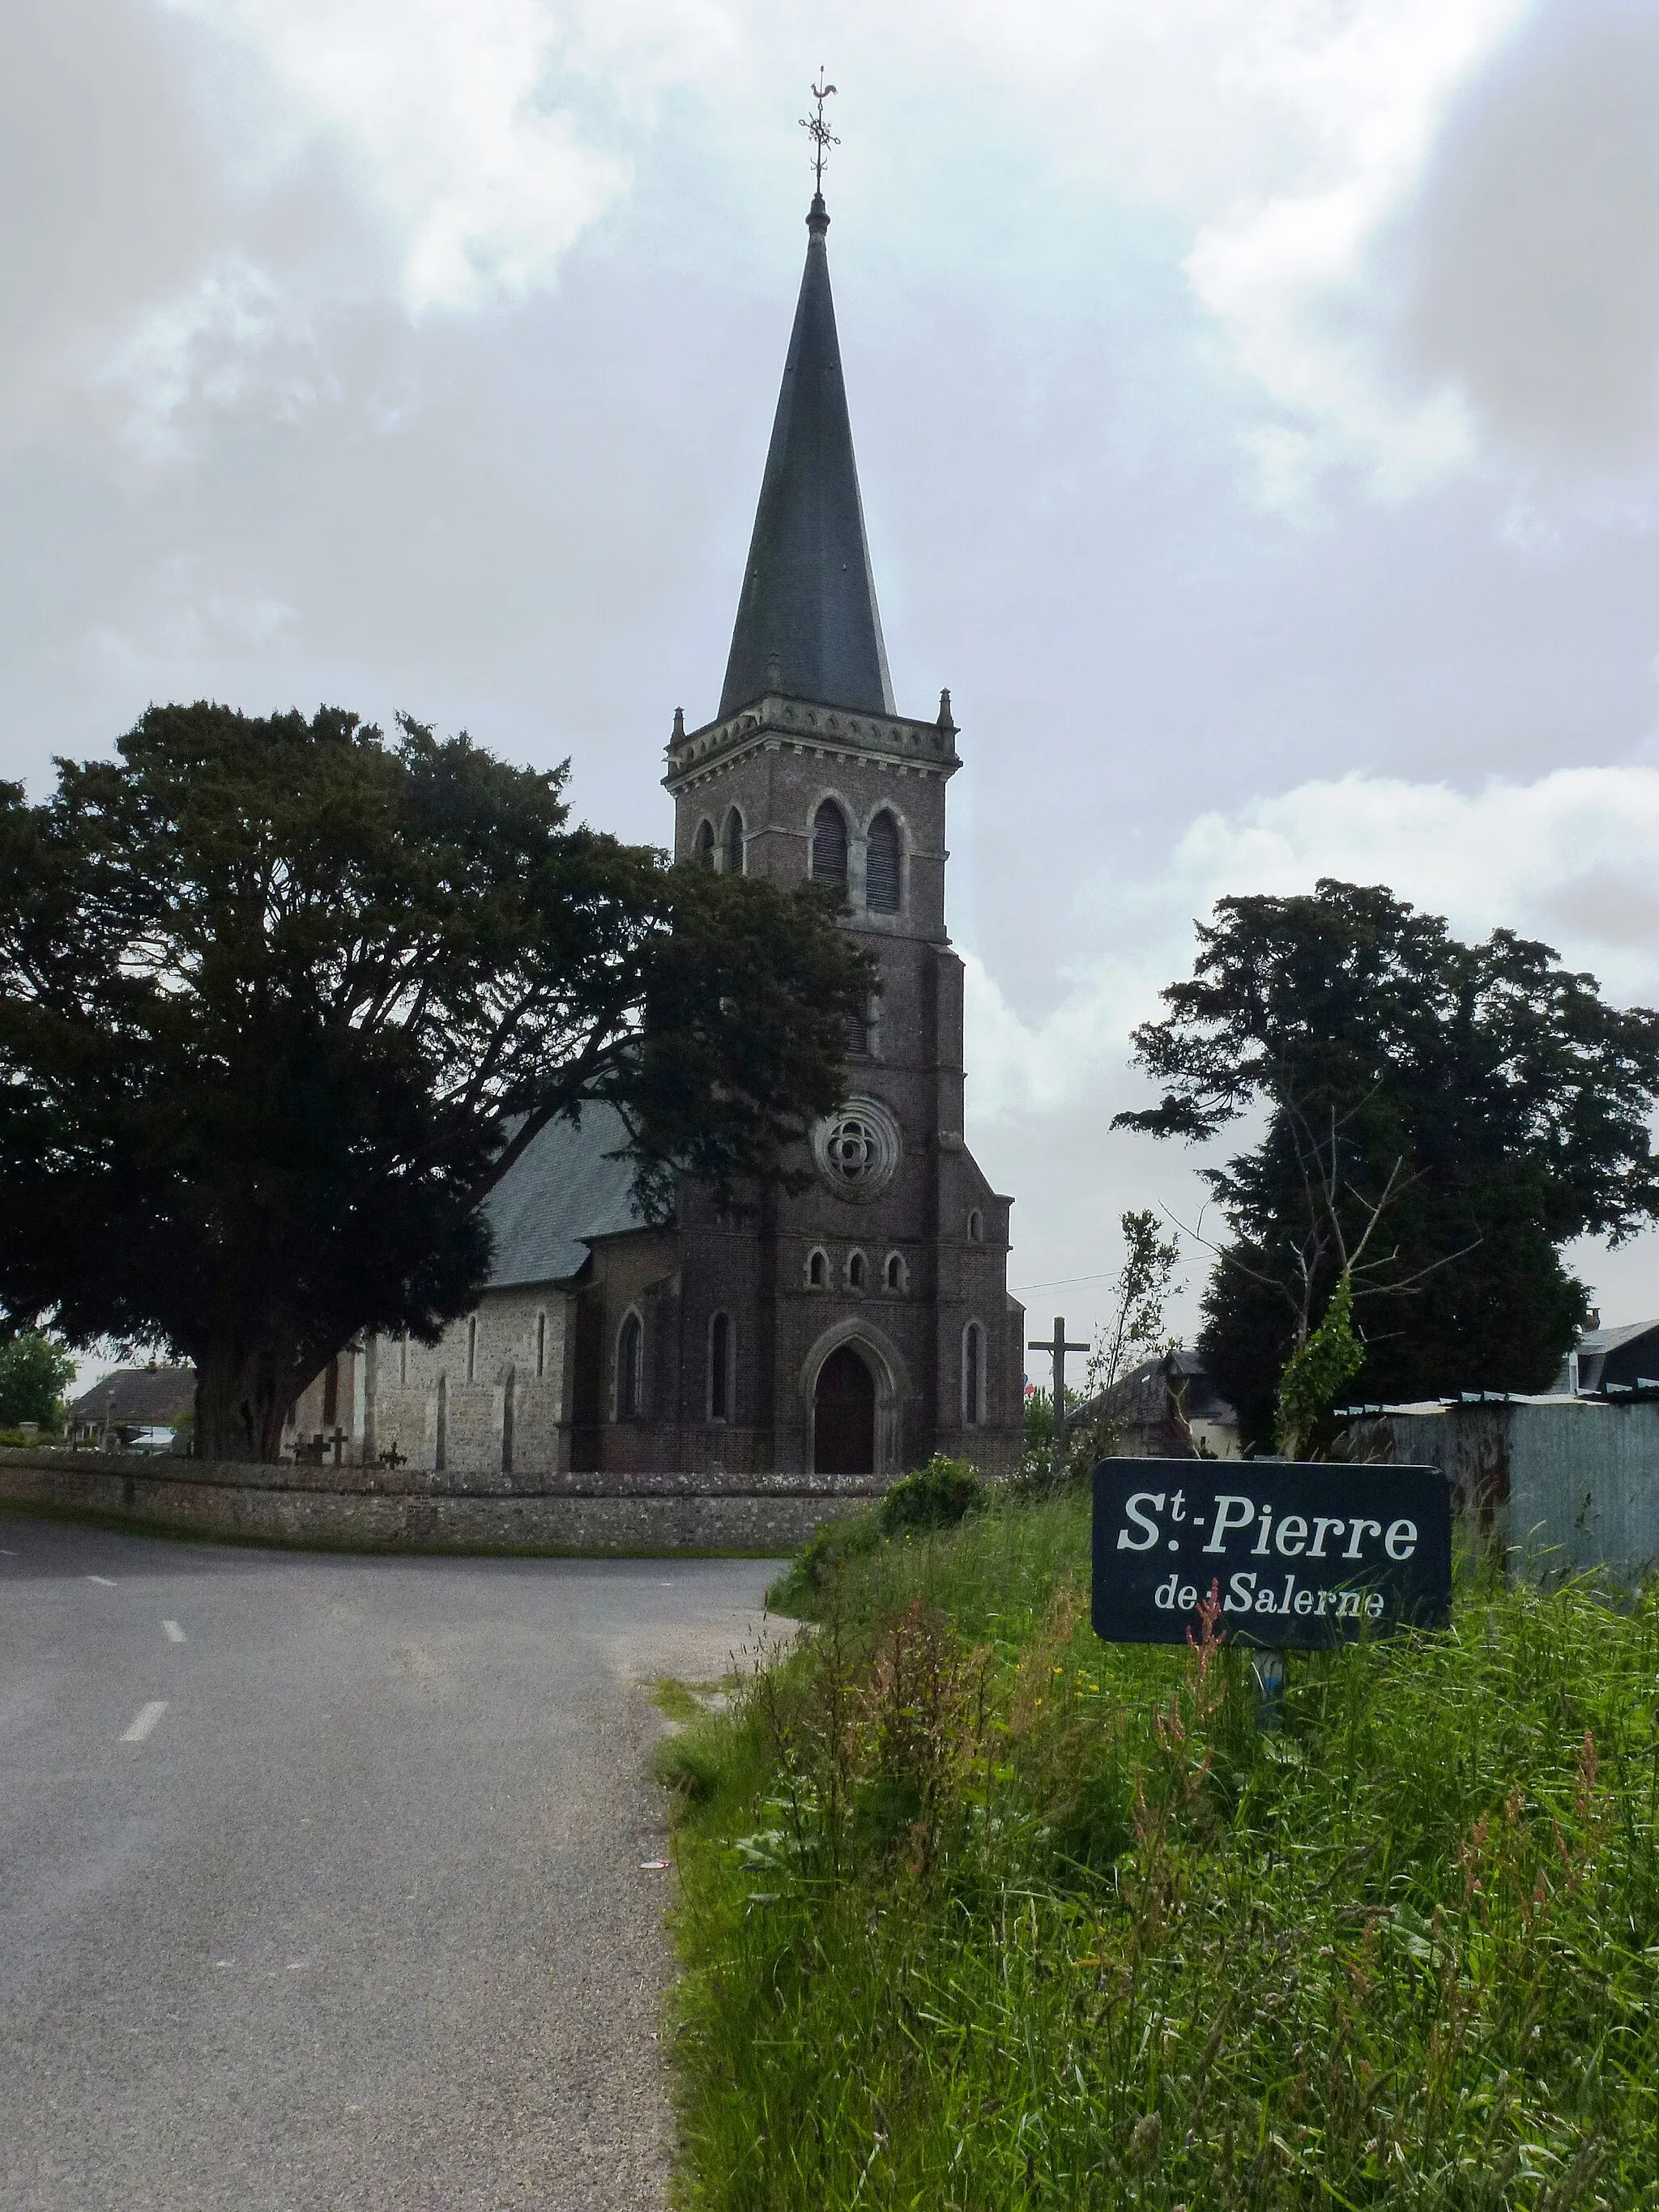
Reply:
x=1057, y=1349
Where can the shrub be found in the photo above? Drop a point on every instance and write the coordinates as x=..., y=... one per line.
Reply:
x=940, y=1494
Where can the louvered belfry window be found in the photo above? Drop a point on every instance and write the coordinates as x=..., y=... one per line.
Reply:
x=829, y=845
x=883, y=866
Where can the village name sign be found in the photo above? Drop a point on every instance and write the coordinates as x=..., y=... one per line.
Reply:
x=1299, y=1556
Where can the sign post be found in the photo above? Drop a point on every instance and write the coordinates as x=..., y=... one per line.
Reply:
x=1300, y=1557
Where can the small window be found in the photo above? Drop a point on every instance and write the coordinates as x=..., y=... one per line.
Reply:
x=507, y=1393
x=972, y=1374
x=403, y=1358
x=976, y=1227
x=440, y=1437
x=732, y=843
x=541, y=1345
x=472, y=1348
x=703, y=846
x=884, y=865
x=857, y=1271
x=719, y=1368
x=817, y=1271
x=630, y=1369
x=830, y=846
x=894, y=1272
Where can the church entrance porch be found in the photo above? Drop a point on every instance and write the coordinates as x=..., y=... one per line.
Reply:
x=844, y=1415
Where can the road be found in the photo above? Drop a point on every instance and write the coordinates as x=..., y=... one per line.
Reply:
x=323, y=1880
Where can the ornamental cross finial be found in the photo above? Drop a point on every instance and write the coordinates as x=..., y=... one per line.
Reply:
x=819, y=130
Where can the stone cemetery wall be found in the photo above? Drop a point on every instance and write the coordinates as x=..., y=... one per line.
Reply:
x=375, y=1509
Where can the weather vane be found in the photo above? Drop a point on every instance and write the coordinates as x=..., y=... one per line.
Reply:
x=819, y=130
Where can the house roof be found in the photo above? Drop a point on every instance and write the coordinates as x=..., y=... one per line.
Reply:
x=1609, y=1339
x=563, y=1192
x=807, y=624
x=138, y=1397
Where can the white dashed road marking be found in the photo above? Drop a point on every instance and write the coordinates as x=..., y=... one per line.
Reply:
x=103, y=1581
x=147, y=1716
x=175, y=1634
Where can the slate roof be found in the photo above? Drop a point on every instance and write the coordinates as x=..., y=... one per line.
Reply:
x=808, y=600
x=560, y=1194
x=138, y=1397
x=1598, y=1349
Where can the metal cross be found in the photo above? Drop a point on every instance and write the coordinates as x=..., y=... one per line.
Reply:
x=1057, y=1348
x=819, y=131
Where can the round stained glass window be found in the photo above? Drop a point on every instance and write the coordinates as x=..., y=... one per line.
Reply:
x=857, y=1151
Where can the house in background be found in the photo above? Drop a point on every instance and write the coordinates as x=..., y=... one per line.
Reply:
x=1623, y=1358
x=1166, y=1408
x=142, y=1406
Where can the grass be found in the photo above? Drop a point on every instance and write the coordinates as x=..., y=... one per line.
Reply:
x=978, y=1912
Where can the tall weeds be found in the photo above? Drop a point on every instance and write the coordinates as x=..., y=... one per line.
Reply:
x=982, y=1913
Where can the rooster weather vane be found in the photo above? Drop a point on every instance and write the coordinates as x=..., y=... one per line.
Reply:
x=818, y=131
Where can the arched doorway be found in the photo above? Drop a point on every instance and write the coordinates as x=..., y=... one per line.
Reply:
x=844, y=1415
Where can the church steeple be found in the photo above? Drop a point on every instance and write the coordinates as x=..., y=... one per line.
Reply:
x=807, y=624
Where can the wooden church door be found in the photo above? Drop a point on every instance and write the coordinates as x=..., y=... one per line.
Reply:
x=844, y=1416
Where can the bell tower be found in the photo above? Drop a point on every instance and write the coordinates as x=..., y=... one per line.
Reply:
x=893, y=1266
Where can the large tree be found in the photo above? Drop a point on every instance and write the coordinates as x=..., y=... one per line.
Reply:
x=280, y=1000
x=1452, y=1114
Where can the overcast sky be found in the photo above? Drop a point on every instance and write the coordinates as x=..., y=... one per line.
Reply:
x=1257, y=407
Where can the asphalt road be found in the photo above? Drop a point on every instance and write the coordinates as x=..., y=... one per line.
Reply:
x=321, y=1878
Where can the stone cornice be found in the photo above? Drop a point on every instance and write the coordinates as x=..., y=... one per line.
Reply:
x=776, y=723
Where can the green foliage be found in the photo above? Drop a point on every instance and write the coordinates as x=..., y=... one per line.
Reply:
x=1136, y=1330
x=1485, y=1098
x=280, y=1001
x=1316, y=1370
x=936, y=1497
x=979, y=1912
x=34, y=1372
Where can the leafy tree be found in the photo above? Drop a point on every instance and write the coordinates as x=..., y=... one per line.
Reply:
x=1458, y=1110
x=34, y=1372
x=280, y=1000
x=1134, y=1330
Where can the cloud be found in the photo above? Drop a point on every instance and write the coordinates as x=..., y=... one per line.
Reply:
x=1535, y=276
x=481, y=171
x=1572, y=859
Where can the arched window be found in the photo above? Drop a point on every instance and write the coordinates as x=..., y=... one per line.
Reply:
x=972, y=1374
x=976, y=1227
x=508, y=1410
x=541, y=1345
x=441, y=1427
x=704, y=845
x=884, y=865
x=472, y=1348
x=817, y=1270
x=830, y=846
x=732, y=843
x=857, y=1271
x=630, y=1368
x=719, y=1368
x=894, y=1272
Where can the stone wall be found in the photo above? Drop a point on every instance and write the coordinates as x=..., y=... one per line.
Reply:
x=413, y=1509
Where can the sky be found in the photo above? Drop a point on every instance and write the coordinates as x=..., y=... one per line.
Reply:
x=1257, y=409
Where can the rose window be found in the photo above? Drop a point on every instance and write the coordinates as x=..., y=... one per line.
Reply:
x=857, y=1151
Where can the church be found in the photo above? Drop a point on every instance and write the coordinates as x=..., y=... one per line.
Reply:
x=859, y=1327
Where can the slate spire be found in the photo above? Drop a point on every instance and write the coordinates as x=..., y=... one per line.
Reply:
x=807, y=624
